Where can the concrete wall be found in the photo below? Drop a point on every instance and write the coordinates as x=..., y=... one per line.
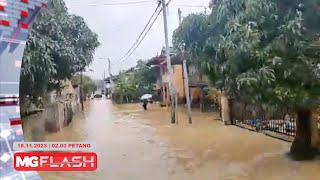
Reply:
x=178, y=80
x=54, y=117
x=195, y=92
x=34, y=128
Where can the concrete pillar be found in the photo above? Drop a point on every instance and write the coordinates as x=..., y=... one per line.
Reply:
x=54, y=117
x=225, y=108
x=168, y=96
x=163, y=94
x=201, y=100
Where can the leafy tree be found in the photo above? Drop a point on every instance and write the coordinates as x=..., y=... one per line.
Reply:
x=59, y=45
x=89, y=85
x=264, y=52
x=132, y=84
x=269, y=56
x=192, y=34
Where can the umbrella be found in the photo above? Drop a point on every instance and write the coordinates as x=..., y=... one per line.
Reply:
x=146, y=96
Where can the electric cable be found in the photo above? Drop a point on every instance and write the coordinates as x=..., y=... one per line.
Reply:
x=141, y=34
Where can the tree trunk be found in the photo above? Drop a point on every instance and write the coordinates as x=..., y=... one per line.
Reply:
x=301, y=148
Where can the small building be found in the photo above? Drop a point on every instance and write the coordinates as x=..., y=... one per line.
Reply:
x=202, y=95
x=159, y=64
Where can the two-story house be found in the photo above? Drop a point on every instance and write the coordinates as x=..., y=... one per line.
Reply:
x=159, y=64
x=198, y=81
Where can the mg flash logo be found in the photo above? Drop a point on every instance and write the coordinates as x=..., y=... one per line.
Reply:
x=55, y=161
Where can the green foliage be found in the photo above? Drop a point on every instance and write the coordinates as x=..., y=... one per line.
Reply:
x=259, y=51
x=59, y=45
x=134, y=83
x=89, y=85
x=192, y=34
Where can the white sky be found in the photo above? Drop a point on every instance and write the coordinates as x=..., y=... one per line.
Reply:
x=119, y=26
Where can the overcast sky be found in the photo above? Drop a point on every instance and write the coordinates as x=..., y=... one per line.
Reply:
x=118, y=26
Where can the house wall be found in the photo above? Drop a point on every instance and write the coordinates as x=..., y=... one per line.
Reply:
x=178, y=80
x=195, y=92
x=54, y=117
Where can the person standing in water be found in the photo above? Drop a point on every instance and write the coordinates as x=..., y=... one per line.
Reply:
x=145, y=104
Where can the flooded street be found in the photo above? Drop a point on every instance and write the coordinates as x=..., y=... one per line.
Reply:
x=137, y=145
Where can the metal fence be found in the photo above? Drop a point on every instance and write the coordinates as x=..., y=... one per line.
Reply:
x=279, y=120
x=284, y=124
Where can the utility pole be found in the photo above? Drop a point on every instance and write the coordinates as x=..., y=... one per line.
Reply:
x=103, y=83
x=176, y=98
x=110, y=76
x=109, y=66
x=185, y=77
x=171, y=86
x=180, y=17
x=186, y=87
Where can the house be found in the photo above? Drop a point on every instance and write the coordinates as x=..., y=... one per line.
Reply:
x=159, y=64
x=201, y=94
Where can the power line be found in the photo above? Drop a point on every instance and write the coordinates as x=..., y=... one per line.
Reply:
x=146, y=32
x=137, y=40
x=140, y=2
x=185, y=5
x=116, y=4
x=190, y=5
x=144, y=35
x=168, y=2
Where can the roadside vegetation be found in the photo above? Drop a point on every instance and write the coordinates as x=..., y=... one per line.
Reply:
x=133, y=83
x=263, y=52
x=89, y=86
x=60, y=45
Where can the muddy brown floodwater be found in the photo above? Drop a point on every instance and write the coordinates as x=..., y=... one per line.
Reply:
x=142, y=145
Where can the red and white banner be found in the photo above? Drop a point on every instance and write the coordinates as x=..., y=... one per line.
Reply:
x=55, y=161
